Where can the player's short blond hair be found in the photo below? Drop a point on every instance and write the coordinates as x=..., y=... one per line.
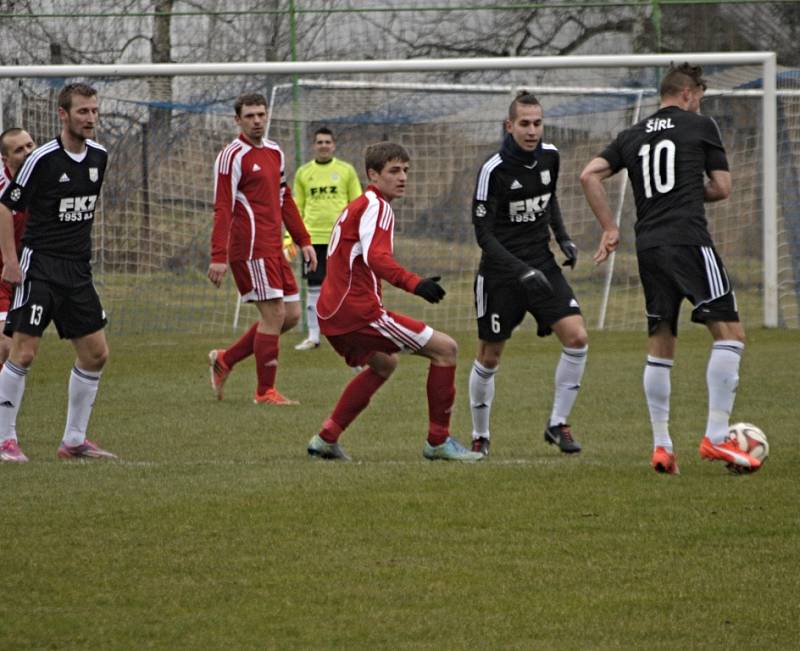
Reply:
x=378, y=154
x=70, y=90
x=680, y=77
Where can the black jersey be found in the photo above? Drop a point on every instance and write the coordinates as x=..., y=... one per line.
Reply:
x=513, y=208
x=61, y=196
x=667, y=155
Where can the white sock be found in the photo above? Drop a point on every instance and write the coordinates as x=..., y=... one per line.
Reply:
x=481, y=394
x=82, y=391
x=657, y=388
x=312, y=296
x=569, y=372
x=12, y=388
x=722, y=378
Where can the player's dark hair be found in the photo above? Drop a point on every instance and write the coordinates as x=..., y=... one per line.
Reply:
x=70, y=90
x=249, y=99
x=680, y=77
x=324, y=131
x=377, y=155
x=12, y=131
x=523, y=97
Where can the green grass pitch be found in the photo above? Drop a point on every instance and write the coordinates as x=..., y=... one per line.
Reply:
x=214, y=531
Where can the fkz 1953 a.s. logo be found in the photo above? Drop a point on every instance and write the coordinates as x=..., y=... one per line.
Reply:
x=77, y=209
x=527, y=210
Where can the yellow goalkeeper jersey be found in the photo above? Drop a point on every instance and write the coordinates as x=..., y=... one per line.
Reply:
x=321, y=191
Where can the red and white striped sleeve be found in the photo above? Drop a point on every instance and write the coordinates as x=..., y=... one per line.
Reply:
x=290, y=214
x=284, y=187
x=376, y=233
x=292, y=218
x=227, y=172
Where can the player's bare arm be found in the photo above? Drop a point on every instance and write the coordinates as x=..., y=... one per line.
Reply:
x=592, y=178
x=310, y=256
x=11, y=272
x=216, y=272
x=718, y=187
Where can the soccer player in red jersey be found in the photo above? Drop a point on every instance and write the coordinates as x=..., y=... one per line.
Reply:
x=251, y=202
x=352, y=316
x=15, y=145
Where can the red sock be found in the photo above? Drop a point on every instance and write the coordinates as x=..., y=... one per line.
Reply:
x=241, y=348
x=265, y=348
x=352, y=402
x=441, y=396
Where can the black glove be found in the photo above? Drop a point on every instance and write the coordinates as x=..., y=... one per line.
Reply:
x=536, y=285
x=569, y=249
x=430, y=289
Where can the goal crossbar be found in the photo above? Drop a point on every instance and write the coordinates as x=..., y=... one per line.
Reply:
x=386, y=65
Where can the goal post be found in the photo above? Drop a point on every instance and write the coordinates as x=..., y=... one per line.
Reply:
x=148, y=250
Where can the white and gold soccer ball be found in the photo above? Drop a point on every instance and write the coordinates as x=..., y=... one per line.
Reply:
x=750, y=439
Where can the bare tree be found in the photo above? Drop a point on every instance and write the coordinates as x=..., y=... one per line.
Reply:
x=161, y=87
x=789, y=17
x=29, y=37
x=496, y=33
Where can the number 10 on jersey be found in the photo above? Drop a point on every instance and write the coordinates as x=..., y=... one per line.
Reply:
x=660, y=167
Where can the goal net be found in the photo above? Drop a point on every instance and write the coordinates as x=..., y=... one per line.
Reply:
x=152, y=232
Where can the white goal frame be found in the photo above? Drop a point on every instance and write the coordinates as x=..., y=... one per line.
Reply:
x=767, y=60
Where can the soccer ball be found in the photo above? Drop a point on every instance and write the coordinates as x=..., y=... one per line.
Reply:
x=750, y=439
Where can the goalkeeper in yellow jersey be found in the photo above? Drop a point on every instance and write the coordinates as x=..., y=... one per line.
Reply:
x=322, y=189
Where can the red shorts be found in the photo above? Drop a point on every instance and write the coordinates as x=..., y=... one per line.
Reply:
x=6, y=294
x=392, y=333
x=263, y=279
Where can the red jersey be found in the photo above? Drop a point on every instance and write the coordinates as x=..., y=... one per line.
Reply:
x=251, y=199
x=359, y=256
x=19, y=216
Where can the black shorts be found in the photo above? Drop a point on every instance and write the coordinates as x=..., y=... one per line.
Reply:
x=58, y=290
x=671, y=273
x=315, y=278
x=501, y=305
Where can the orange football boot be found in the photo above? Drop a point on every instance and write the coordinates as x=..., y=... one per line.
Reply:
x=730, y=453
x=664, y=462
x=272, y=397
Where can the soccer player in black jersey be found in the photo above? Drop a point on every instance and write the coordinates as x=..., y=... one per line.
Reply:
x=58, y=185
x=668, y=156
x=513, y=210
